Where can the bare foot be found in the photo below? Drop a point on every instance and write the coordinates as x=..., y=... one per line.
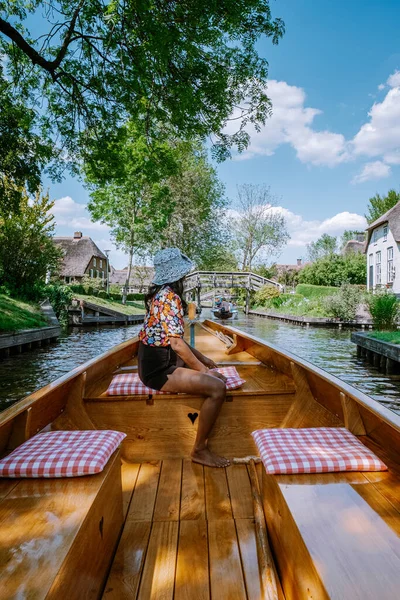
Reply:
x=209, y=459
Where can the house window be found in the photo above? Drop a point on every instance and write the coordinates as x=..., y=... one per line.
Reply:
x=385, y=232
x=91, y=273
x=375, y=236
x=102, y=275
x=390, y=268
x=378, y=264
x=101, y=263
x=94, y=262
x=98, y=273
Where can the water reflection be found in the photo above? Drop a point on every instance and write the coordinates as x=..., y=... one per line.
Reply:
x=329, y=349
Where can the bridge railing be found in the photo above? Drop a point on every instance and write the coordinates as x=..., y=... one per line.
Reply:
x=227, y=279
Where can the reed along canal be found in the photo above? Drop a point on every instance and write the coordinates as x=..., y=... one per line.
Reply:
x=329, y=349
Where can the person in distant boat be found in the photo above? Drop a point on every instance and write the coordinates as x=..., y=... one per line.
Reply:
x=225, y=306
x=166, y=362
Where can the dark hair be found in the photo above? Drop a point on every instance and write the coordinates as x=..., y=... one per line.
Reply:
x=176, y=287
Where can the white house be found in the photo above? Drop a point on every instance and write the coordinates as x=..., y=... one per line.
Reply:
x=383, y=251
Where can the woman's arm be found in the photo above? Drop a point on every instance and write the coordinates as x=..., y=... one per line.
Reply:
x=189, y=355
x=203, y=359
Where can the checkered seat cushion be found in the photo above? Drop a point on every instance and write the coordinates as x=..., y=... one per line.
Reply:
x=314, y=450
x=62, y=454
x=129, y=384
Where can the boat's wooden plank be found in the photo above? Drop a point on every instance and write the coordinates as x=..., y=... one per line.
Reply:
x=84, y=571
x=164, y=430
x=335, y=536
x=145, y=492
x=6, y=486
x=218, y=504
x=159, y=569
x=192, y=575
x=39, y=522
x=129, y=473
x=226, y=576
x=386, y=482
x=240, y=492
x=123, y=581
x=248, y=551
x=192, y=497
x=169, y=491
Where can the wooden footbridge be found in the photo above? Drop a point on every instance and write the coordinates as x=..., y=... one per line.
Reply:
x=199, y=281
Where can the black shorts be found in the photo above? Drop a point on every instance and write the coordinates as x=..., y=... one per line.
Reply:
x=155, y=363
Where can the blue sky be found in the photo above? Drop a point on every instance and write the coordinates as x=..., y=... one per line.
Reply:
x=334, y=138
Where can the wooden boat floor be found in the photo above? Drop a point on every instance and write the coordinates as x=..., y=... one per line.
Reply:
x=189, y=534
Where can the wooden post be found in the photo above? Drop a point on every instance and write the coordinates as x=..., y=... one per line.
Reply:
x=192, y=318
x=247, y=301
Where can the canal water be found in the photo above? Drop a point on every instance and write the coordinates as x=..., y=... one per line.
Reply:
x=329, y=349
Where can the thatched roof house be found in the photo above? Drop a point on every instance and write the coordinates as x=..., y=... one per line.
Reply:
x=140, y=279
x=81, y=257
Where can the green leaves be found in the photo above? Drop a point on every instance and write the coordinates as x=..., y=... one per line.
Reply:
x=378, y=205
x=185, y=63
x=27, y=252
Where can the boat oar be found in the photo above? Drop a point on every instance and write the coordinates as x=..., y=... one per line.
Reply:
x=266, y=562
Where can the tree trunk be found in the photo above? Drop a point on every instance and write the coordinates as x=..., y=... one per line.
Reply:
x=125, y=292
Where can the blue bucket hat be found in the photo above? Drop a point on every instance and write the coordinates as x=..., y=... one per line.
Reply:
x=170, y=265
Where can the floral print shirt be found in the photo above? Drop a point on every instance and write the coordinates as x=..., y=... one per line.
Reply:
x=164, y=319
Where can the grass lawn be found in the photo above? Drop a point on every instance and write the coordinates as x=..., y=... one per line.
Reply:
x=133, y=308
x=15, y=314
x=392, y=337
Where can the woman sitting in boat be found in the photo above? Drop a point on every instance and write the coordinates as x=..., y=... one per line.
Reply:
x=166, y=362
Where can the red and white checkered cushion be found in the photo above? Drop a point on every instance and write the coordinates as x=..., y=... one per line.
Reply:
x=314, y=450
x=129, y=384
x=233, y=379
x=62, y=454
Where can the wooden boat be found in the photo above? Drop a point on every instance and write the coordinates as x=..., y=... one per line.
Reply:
x=155, y=525
x=219, y=314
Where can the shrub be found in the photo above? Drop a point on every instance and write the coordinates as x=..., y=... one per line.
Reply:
x=344, y=303
x=77, y=288
x=134, y=297
x=103, y=294
x=60, y=297
x=265, y=294
x=315, y=291
x=384, y=309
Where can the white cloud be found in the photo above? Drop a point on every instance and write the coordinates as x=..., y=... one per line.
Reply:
x=381, y=86
x=380, y=136
x=372, y=170
x=291, y=123
x=69, y=213
x=303, y=232
x=394, y=79
x=71, y=216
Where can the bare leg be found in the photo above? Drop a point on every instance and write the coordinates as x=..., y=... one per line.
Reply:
x=194, y=382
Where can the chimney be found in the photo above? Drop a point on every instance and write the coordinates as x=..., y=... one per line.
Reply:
x=77, y=235
x=299, y=261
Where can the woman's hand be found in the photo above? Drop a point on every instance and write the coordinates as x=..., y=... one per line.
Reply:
x=219, y=376
x=210, y=364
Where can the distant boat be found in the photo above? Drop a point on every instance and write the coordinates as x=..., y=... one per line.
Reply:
x=225, y=314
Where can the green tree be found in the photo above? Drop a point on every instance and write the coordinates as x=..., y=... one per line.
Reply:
x=258, y=226
x=326, y=245
x=197, y=225
x=129, y=191
x=349, y=235
x=23, y=152
x=94, y=63
x=27, y=252
x=378, y=205
x=334, y=270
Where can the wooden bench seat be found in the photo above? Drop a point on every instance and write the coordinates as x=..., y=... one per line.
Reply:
x=335, y=535
x=57, y=536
